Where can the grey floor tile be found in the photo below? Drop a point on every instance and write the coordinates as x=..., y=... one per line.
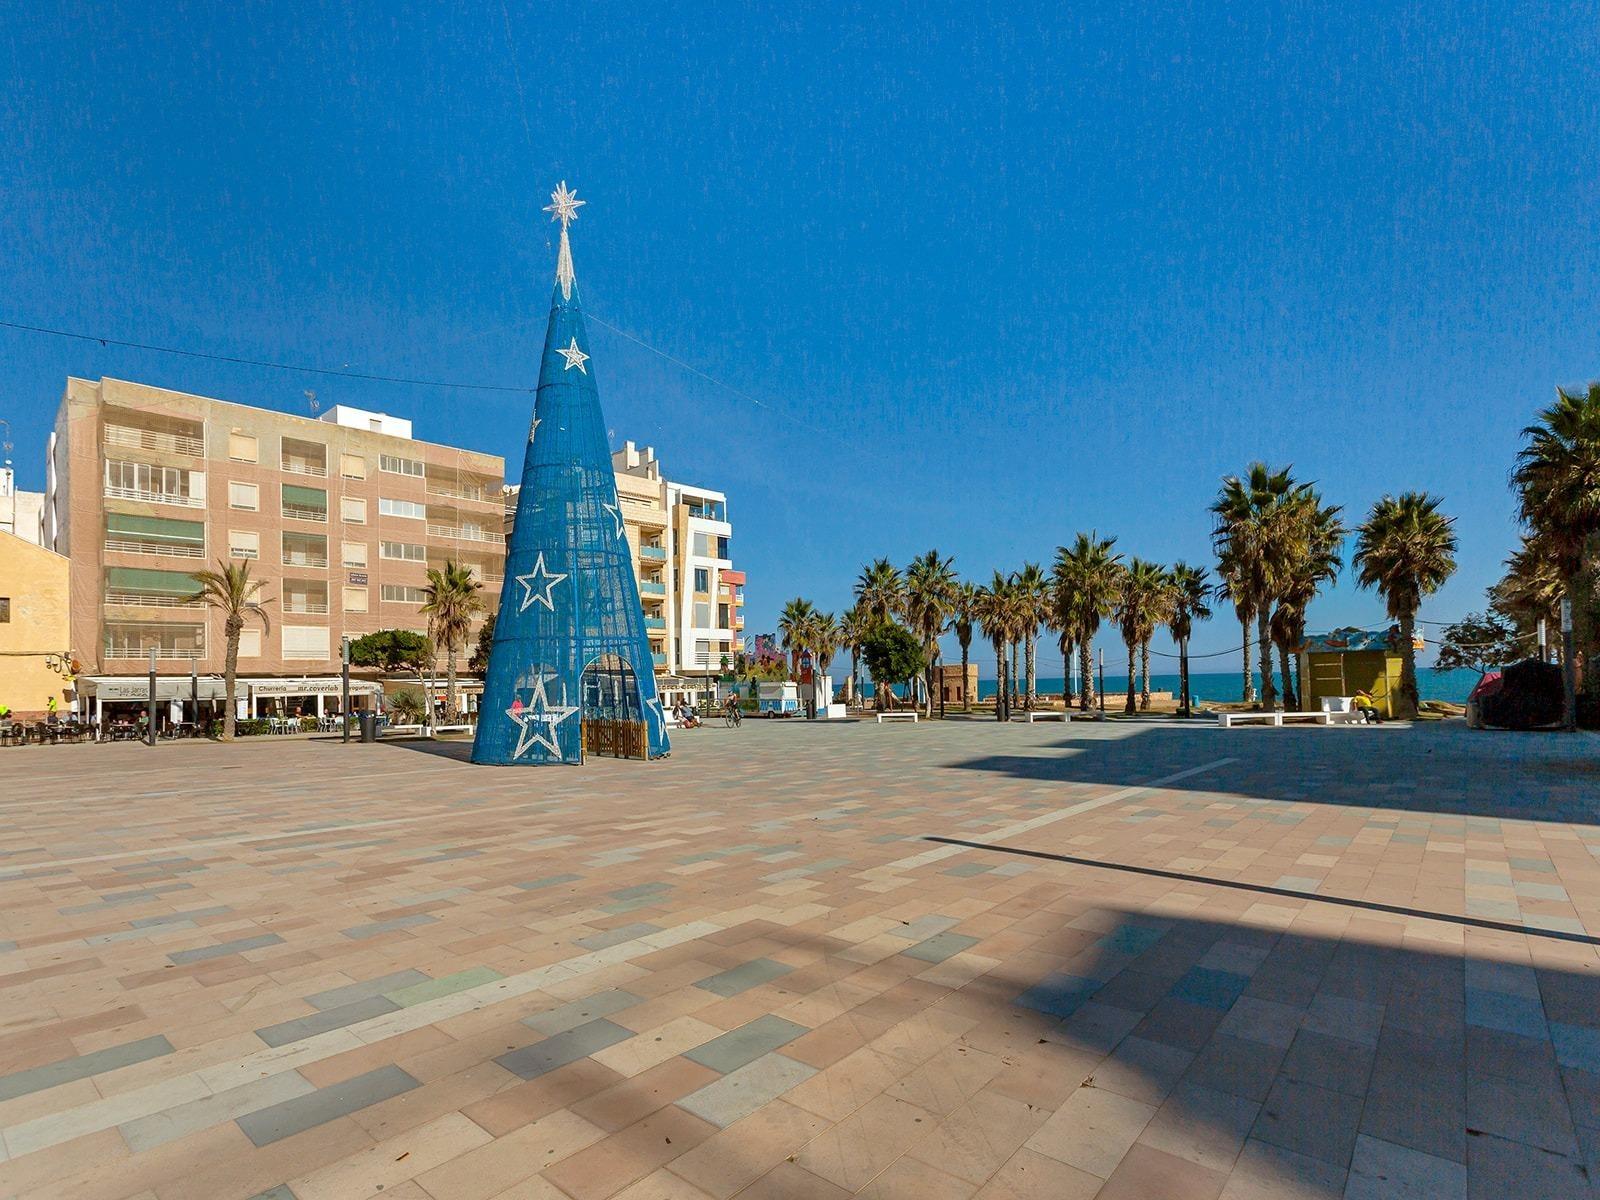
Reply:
x=739, y=1093
x=533, y=885
x=940, y=947
x=351, y=992
x=577, y=1012
x=157, y=1129
x=615, y=937
x=360, y=932
x=746, y=1044
x=200, y=953
x=744, y=977
x=321, y=1022
x=37, y=1079
x=289, y=1117
x=578, y=1042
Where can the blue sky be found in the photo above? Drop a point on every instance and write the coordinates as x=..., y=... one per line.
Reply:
x=994, y=274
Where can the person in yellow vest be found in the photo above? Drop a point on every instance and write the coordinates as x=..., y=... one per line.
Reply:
x=50, y=708
x=1367, y=707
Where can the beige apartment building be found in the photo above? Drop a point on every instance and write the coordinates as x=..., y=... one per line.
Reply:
x=340, y=516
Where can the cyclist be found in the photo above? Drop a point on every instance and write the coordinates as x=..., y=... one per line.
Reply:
x=730, y=711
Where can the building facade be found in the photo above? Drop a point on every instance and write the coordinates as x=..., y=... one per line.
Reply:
x=21, y=513
x=340, y=516
x=35, y=646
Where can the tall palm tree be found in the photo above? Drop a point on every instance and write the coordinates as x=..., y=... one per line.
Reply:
x=1406, y=550
x=1141, y=606
x=823, y=640
x=963, y=612
x=1557, y=477
x=452, y=601
x=1191, y=591
x=880, y=591
x=853, y=629
x=792, y=623
x=1087, y=579
x=1234, y=588
x=1531, y=589
x=997, y=614
x=230, y=592
x=1034, y=606
x=929, y=586
x=1254, y=528
x=1312, y=559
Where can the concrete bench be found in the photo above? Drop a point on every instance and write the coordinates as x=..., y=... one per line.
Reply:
x=1316, y=718
x=1046, y=714
x=1228, y=720
x=454, y=728
x=897, y=716
x=409, y=729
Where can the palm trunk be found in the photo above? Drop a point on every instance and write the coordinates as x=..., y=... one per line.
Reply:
x=1085, y=675
x=1248, y=694
x=231, y=628
x=1144, y=676
x=1269, y=690
x=451, y=714
x=1011, y=679
x=999, y=680
x=1030, y=666
x=1408, y=668
x=966, y=696
x=1183, y=676
x=1291, y=698
x=1130, y=707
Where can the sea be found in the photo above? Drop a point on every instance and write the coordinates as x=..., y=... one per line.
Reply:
x=1453, y=686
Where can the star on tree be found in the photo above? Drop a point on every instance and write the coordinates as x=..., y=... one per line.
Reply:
x=574, y=357
x=616, y=515
x=538, y=722
x=539, y=592
x=564, y=205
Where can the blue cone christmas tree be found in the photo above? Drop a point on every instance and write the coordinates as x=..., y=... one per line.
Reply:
x=569, y=640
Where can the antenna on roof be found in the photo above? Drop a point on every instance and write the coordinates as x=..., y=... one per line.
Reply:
x=311, y=399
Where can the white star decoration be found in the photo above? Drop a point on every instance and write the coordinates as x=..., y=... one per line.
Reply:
x=574, y=357
x=616, y=515
x=537, y=723
x=652, y=708
x=564, y=205
x=540, y=593
x=534, y=428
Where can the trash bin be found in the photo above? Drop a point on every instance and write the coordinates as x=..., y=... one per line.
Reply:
x=369, y=726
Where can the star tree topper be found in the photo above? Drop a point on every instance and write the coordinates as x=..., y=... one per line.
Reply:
x=563, y=207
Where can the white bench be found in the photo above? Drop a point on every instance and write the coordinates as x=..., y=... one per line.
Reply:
x=454, y=728
x=401, y=729
x=1046, y=714
x=897, y=716
x=1227, y=720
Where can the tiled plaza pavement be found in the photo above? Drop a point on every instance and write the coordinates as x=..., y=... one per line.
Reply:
x=1352, y=962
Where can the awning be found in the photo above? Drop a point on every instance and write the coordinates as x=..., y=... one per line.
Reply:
x=144, y=579
x=304, y=497
x=329, y=685
x=137, y=687
x=163, y=529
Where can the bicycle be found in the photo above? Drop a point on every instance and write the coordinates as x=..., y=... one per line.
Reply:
x=732, y=718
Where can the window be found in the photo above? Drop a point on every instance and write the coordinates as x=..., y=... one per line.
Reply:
x=722, y=616
x=305, y=550
x=722, y=548
x=405, y=551
x=702, y=579
x=352, y=466
x=165, y=536
x=396, y=465
x=354, y=554
x=244, y=543
x=163, y=485
x=250, y=643
x=354, y=510
x=242, y=447
x=5, y=610
x=402, y=508
x=305, y=503
x=702, y=546
x=305, y=642
x=355, y=599
x=394, y=593
x=702, y=616
x=245, y=496
x=135, y=641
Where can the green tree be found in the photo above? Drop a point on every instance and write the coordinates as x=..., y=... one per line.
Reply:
x=998, y=614
x=929, y=587
x=793, y=623
x=234, y=596
x=1480, y=640
x=1087, y=576
x=1191, y=591
x=963, y=612
x=1405, y=549
x=1253, y=534
x=894, y=655
x=1141, y=607
x=478, y=664
x=392, y=651
x=1311, y=557
x=880, y=591
x=853, y=627
x=1033, y=610
x=452, y=602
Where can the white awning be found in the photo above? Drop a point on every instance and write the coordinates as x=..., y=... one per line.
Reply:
x=137, y=687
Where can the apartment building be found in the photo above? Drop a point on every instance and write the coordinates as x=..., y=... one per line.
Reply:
x=21, y=513
x=693, y=599
x=340, y=515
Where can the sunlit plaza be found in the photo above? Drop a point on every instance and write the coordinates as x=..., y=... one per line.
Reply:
x=806, y=960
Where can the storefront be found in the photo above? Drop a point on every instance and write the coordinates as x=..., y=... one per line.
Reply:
x=305, y=697
x=108, y=700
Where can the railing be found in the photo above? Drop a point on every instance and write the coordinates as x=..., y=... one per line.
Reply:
x=149, y=599
x=164, y=549
x=654, y=623
x=295, y=559
x=458, y=493
x=241, y=552
x=655, y=552
x=464, y=534
x=305, y=607
x=122, y=493
x=152, y=439
x=651, y=587
x=143, y=652
x=302, y=466
x=305, y=514
x=660, y=659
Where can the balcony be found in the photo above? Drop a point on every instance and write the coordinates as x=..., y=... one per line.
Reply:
x=141, y=587
x=303, y=458
x=305, y=607
x=301, y=512
x=659, y=659
x=193, y=445
x=477, y=493
x=152, y=496
x=466, y=533
x=302, y=558
x=305, y=504
x=652, y=587
x=653, y=623
x=653, y=553
x=128, y=642
x=162, y=536
x=734, y=577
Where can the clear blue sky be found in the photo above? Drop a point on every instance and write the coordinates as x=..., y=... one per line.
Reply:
x=995, y=273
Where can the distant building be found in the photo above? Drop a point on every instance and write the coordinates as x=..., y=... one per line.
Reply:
x=956, y=686
x=35, y=645
x=21, y=513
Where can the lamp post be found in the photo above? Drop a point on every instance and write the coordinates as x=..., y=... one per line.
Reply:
x=150, y=709
x=1569, y=669
x=344, y=686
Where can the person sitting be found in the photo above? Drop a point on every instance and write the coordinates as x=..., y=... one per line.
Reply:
x=1364, y=704
x=686, y=715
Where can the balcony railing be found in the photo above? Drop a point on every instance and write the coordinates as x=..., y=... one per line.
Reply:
x=154, y=439
x=301, y=513
x=299, y=605
x=655, y=623
x=460, y=493
x=122, y=493
x=164, y=549
x=660, y=660
x=148, y=599
x=652, y=587
x=304, y=466
x=294, y=558
x=465, y=534
x=658, y=553
x=142, y=654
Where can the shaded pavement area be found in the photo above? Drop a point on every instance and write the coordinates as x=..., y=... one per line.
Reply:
x=945, y=960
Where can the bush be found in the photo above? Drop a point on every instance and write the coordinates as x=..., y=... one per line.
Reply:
x=408, y=706
x=251, y=727
x=893, y=654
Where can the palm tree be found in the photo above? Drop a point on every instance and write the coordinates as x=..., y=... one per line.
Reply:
x=1233, y=587
x=1254, y=528
x=1406, y=550
x=823, y=640
x=1034, y=606
x=963, y=612
x=1558, y=480
x=1141, y=606
x=880, y=591
x=929, y=585
x=230, y=591
x=1087, y=580
x=1190, y=592
x=452, y=602
x=853, y=629
x=1312, y=558
x=996, y=612
x=1531, y=589
x=792, y=627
